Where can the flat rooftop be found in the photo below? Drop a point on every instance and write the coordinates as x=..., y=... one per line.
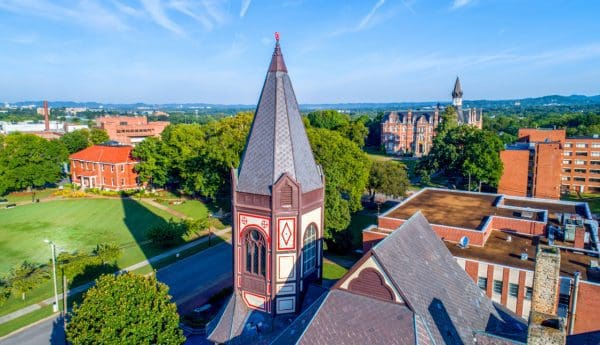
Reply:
x=454, y=208
x=498, y=250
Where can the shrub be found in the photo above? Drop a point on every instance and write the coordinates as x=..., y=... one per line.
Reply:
x=168, y=234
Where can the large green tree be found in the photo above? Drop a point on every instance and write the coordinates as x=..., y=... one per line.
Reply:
x=346, y=169
x=77, y=140
x=389, y=178
x=98, y=136
x=154, y=164
x=25, y=277
x=328, y=119
x=29, y=161
x=125, y=309
x=465, y=152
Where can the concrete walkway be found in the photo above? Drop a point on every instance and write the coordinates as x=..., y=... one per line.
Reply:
x=84, y=287
x=164, y=208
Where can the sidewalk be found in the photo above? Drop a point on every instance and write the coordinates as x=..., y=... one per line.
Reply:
x=81, y=288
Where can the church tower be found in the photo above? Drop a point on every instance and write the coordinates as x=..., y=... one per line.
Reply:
x=278, y=195
x=457, y=95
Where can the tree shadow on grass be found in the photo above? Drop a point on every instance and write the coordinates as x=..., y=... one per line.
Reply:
x=139, y=220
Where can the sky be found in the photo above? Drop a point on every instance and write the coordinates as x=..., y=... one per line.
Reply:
x=218, y=51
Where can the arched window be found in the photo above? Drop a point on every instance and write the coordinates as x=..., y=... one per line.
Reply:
x=309, y=249
x=255, y=253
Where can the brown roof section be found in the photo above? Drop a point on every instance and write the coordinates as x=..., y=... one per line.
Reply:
x=498, y=250
x=105, y=154
x=453, y=208
x=277, y=63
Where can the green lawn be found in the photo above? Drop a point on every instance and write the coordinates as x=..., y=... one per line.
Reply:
x=76, y=225
x=27, y=196
x=333, y=271
x=592, y=199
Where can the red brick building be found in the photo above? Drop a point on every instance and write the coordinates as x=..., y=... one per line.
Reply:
x=412, y=132
x=503, y=233
x=104, y=167
x=130, y=130
x=544, y=163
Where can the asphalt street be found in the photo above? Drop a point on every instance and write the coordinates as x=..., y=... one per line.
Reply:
x=191, y=281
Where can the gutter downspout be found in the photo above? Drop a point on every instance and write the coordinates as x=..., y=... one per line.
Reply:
x=574, y=301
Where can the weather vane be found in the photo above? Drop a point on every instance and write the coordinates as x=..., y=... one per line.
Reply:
x=276, y=36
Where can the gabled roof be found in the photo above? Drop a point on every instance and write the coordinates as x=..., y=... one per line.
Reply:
x=436, y=288
x=348, y=318
x=277, y=142
x=402, y=116
x=105, y=154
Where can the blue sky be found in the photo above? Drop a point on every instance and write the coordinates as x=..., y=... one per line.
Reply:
x=217, y=51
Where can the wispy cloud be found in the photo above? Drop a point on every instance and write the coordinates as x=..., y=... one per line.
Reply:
x=157, y=11
x=245, y=6
x=366, y=19
x=186, y=8
x=460, y=3
x=87, y=13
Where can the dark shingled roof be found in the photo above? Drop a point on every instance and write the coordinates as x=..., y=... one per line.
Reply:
x=277, y=142
x=348, y=318
x=438, y=289
x=457, y=92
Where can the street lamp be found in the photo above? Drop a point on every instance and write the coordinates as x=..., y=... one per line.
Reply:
x=53, y=246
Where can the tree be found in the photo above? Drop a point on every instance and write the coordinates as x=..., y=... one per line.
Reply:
x=355, y=131
x=107, y=252
x=28, y=161
x=347, y=170
x=389, y=178
x=76, y=141
x=328, y=119
x=154, y=164
x=98, y=136
x=26, y=276
x=125, y=309
x=465, y=152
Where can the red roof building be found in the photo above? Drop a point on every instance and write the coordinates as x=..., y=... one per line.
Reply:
x=104, y=167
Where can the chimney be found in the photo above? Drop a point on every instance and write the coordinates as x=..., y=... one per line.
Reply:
x=545, y=327
x=46, y=117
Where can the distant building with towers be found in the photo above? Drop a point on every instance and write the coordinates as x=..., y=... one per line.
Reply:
x=412, y=132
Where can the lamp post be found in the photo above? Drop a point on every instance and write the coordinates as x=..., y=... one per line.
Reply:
x=53, y=246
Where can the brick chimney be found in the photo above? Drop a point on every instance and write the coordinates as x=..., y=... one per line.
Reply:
x=46, y=117
x=545, y=327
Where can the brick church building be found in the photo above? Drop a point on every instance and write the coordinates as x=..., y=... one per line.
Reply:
x=408, y=289
x=412, y=131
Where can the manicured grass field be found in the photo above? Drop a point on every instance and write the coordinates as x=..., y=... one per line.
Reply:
x=333, y=271
x=27, y=196
x=76, y=225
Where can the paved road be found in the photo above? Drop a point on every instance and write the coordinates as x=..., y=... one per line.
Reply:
x=191, y=280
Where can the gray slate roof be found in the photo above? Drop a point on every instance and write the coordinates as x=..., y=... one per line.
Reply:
x=402, y=116
x=348, y=318
x=439, y=290
x=228, y=324
x=277, y=142
x=457, y=91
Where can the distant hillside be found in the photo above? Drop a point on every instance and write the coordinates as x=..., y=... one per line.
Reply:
x=552, y=100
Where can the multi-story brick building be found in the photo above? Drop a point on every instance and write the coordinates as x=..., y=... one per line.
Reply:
x=104, y=167
x=412, y=132
x=130, y=130
x=494, y=238
x=544, y=163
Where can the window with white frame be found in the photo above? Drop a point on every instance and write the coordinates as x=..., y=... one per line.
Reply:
x=595, y=153
x=596, y=145
x=309, y=250
x=579, y=162
x=581, y=145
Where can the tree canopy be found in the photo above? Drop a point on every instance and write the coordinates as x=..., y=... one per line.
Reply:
x=28, y=161
x=355, y=130
x=346, y=169
x=77, y=140
x=389, y=178
x=465, y=151
x=125, y=309
x=98, y=136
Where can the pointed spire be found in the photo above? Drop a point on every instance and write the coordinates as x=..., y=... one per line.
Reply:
x=277, y=63
x=277, y=143
x=457, y=92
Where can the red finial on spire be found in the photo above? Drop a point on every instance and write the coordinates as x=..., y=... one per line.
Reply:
x=276, y=36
